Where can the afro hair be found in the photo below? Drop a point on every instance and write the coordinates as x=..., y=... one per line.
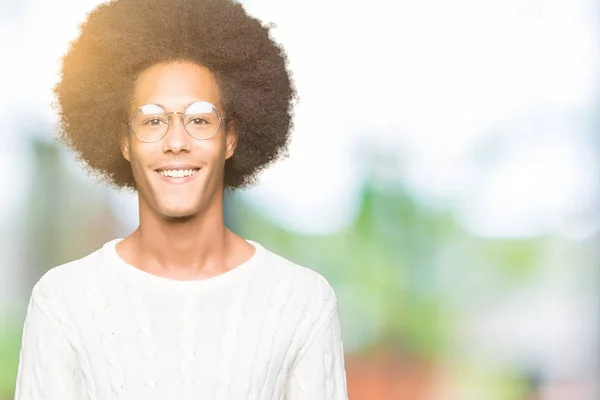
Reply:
x=122, y=38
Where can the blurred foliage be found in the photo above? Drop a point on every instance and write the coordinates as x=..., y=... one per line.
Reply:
x=391, y=257
x=9, y=358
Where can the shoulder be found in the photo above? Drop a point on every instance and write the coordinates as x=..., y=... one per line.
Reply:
x=302, y=283
x=309, y=300
x=67, y=278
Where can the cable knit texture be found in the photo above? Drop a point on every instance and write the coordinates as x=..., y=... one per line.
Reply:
x=98, y=328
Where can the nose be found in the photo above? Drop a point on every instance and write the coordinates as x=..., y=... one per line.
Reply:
x=177, y=138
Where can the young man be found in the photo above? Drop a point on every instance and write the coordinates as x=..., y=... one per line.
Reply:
x=179, y=99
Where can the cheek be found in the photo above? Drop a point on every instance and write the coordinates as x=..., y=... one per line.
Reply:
x=141, y=158
x=208, y=151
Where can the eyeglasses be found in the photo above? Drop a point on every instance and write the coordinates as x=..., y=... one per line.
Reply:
x=201, y=120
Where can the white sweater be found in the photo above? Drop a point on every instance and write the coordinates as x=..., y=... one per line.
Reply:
x=99, y=329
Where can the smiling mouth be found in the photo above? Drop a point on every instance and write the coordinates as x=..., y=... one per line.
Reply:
x=178, y=173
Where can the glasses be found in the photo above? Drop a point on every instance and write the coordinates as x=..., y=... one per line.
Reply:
x=150, y=123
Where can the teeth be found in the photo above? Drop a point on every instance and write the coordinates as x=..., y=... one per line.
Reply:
x=178, y=173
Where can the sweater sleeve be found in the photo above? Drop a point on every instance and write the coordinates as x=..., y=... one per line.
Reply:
x=319, y=373
x=48, y=368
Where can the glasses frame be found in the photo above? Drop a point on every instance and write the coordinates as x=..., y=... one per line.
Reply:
x=168, y=114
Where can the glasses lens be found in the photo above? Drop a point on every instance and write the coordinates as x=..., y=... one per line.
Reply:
x=150, y=123
x=201, y=120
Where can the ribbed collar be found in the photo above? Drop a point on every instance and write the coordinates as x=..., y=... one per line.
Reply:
x=139, y=278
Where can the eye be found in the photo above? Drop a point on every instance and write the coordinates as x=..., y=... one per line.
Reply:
x=153, y=122
x=198, y=121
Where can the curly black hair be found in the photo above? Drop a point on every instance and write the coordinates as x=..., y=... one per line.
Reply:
x=122, y=38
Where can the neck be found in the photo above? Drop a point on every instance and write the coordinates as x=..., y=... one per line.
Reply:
x=194, y=246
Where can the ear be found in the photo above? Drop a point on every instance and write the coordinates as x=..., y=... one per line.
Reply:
x=230, y=140
x=125, y=147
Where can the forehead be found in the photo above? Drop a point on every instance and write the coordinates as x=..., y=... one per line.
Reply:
x=175, y=85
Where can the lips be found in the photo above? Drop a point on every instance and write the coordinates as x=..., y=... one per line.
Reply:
x=178, y=173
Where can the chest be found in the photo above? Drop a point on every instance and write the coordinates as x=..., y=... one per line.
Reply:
x=134, y=345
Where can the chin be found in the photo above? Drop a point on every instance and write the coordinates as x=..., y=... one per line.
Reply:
x=177, y=206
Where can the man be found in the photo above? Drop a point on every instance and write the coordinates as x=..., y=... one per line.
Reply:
x=179, y=100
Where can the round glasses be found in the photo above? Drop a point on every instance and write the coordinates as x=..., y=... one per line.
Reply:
x=201, y=120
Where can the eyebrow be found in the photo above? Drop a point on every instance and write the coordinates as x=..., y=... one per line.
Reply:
x=185, y=107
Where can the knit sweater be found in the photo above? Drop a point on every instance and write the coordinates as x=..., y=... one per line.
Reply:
x=99, y=328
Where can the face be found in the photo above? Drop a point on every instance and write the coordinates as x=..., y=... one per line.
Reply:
x=156, y=165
